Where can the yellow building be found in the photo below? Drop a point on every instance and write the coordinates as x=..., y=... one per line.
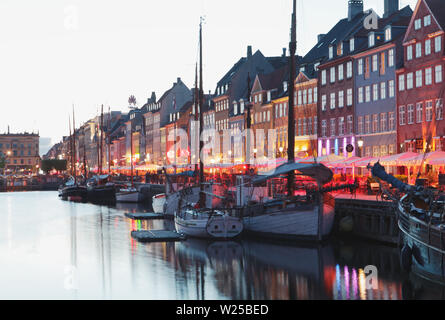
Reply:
x=21, y=151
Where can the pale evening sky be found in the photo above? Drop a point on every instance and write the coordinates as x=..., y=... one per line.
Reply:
x=56, y=53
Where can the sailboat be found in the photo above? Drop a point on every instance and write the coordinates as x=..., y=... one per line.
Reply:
x=289, y=216
x=72, y=190
x=196, y=219
x=129, y=193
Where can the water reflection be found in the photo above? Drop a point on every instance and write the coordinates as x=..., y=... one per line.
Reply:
x=55, y=249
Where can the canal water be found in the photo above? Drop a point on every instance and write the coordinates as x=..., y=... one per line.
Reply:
x=52, y=249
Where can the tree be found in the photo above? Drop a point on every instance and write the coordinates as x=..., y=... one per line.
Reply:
x=54, y=164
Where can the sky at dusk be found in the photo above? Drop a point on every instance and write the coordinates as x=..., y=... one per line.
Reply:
x=56, y=53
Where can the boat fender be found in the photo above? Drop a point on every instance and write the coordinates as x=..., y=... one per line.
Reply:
x=406, y=258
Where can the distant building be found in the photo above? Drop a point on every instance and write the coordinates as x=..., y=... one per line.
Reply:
x=21, y=151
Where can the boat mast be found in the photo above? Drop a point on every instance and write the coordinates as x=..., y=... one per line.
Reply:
x=74, y=148
x=70, y=145
x=249, y=123
x=202, y=197
x=195, y=104
x=109, y=140
x=101, y=137
x=131, y=153
x=291, y=121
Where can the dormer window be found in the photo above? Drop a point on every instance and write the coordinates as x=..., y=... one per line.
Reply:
x=241, y=106
x=371, y=39
x=340, y=49
x=269, y=96
x=316, y=66
x=285, y=85
x=331, y=52
x=352, y=44
x=235, y=108
x=388, y=34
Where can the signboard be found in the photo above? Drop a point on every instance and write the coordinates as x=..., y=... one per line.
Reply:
x=349, y=148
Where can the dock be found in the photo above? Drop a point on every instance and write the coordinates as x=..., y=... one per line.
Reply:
x=157, y=236
x=369, y=218
x=145, y=216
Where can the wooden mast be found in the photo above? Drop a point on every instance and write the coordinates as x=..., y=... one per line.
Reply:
x=101, y=137
x=70, y=145
x=109, y=140
x=74, y=148
x=291, y=89
x=202, y=197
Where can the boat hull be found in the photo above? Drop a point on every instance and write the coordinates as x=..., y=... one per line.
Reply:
x=102, y=194
x=423, y=251
x=74, y=192
x=128, y=196
x=291, y=224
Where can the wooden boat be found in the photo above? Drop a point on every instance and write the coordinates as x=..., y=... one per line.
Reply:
x=302, y=217
x=100, y=190
x=207, y=223
x=421, y=220
x=128, y=194
x=72, y=191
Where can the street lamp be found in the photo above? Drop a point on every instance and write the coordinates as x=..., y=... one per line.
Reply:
x=360, y=143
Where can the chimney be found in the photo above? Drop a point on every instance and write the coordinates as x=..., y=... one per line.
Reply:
x=178, y=80
x=391, y=7
x=354, y=8
x=249, y=52
x=284, y=52
x=320, y=37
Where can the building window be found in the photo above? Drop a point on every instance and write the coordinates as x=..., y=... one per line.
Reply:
x=332, y=100
x=375, y=89
x=367, y=124
x=419, y=112
x=340, y=72
x=341, y=99
x=323, y=128
x=368, y=93
x=332, y=76
x=367, y=68
x=438, y=74
x=409, y=81
x=410, y=114
x=349, y=98
x=300, y=98
x=391, y=89
x=371, y=39
x=349, y=70
x=429, y=111
x=427, y=20
x=315, y=125
x=360, y=66
x=351, y=44
x=299, y=127
x=388, y=33
x=438, y=44
x=332, y=127
x=439, y=109
x=383, y=90
x=427, y=47
x=428, y=76
x=341, y=126
x=331, y=52
x=391, y=58
x=315, y=95
x=360, y=125
x=419, y=78
x=323, y=102
x=305, y=97
x=382, y=63
x=401, y=82
x=409, y=53
x=323, y=77
x=418, y=49
x=360, y=95
x=383, y=122
x=375, y=123
x=350, y=124
x=392, y=121
x=417, y=24
x=375, y=63
x=402, y=115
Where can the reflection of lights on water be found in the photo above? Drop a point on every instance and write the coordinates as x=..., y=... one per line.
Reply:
x=337, y=294
x=362, y=284
x=354, y=283
x=347, y=282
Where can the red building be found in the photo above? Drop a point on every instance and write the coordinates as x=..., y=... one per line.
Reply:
x=420, y=83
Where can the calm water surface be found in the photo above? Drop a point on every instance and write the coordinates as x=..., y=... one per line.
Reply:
x=51, y=249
